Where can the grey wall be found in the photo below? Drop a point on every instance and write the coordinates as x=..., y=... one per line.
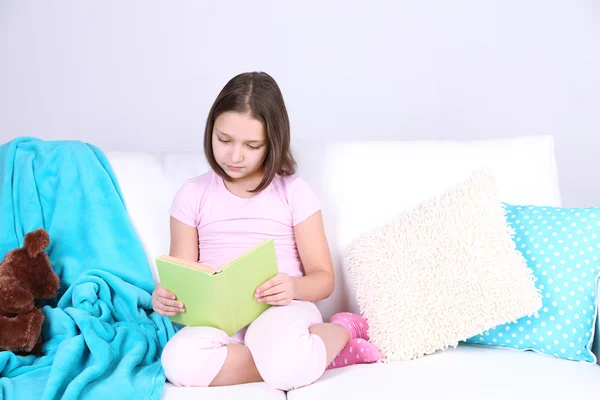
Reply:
x=142, y=74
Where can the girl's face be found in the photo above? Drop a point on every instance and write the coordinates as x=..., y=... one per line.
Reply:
x=239, y=144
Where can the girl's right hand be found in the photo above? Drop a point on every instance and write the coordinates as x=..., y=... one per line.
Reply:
x=164, y=303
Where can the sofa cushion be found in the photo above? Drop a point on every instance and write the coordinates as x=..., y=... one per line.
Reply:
x=562, y=247
x=441, y=272
x=250, y=391
x=464, y=373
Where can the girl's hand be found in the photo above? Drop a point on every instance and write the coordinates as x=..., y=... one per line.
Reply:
x=164, y=303
x=277, y=291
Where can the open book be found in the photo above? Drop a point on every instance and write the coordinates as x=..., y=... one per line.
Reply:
x=222, y=298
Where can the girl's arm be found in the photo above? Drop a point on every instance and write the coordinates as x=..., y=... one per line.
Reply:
x=317, y=284
x=314, y=252
x=184, y=241
x=184, y=244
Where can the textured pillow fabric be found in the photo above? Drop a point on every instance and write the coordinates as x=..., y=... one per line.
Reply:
x=441, y=272
x=562, y=247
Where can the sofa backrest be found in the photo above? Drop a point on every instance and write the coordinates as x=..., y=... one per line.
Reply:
x=365, y=184
x=361, y=184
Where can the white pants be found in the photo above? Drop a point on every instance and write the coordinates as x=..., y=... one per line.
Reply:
x=286, y=354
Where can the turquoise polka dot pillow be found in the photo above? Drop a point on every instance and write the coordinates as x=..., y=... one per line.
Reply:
x=562, y=247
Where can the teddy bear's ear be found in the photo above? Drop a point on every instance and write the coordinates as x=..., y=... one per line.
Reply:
x=36, y=241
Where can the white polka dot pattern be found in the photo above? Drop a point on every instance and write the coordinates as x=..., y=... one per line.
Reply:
x=562, y=247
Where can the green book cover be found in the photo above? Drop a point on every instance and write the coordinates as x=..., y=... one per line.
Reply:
x=221, y=298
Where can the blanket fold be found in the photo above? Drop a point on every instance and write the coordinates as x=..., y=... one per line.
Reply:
x=102, y=339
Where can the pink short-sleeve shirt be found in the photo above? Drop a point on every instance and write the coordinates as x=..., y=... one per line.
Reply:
x=228, y=224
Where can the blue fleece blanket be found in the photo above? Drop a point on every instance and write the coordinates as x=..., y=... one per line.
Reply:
x=102, y=340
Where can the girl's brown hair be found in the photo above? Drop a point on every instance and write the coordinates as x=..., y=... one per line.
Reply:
x=258, y=95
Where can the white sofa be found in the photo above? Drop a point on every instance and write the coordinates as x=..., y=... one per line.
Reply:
x=362, y=184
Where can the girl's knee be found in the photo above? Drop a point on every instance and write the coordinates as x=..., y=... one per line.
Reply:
x=194, y=358
x=288, y=361
x=285, y=352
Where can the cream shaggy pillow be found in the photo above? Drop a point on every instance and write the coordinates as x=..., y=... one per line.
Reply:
x=441, y=272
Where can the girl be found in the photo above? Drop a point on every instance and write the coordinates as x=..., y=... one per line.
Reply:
x=250, y=195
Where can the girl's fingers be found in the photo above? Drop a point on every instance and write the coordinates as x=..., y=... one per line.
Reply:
x=272, y=291
x=284, y=302
x=164, y=293
x=167, y=310
x=274, y=298
x=171, y=303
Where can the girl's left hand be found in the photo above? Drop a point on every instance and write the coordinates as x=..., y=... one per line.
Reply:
x=277, y=291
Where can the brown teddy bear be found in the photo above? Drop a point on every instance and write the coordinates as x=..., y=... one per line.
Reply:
x=25, y=275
